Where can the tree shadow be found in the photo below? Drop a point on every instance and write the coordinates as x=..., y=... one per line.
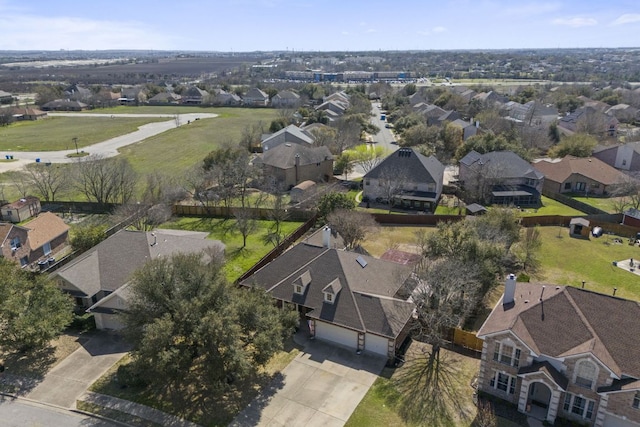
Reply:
x=430, y=390
x=23, y=371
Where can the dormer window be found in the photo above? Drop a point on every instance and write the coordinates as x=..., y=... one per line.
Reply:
x=301, y=283
x=331, y=291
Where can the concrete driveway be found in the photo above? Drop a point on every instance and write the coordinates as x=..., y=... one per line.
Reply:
x=71, y=377
x=322, y=386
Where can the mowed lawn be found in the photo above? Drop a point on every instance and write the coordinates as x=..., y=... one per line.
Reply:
x=57, y=133
x=569, y=261
x=177, y=150
x=239, y=259
x=152, y=109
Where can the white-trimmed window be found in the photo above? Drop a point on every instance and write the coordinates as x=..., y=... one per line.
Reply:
x=507, y=353
x=328, y=297
x=586, y=373
x=298, y=289
x=46, y=248
x=504, y=382
x=578, y=405
x=15, y=243
x=636, y=400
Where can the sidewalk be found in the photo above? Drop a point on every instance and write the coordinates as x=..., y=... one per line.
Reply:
x=135, y=409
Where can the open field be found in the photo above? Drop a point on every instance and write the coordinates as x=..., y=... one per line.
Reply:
x=151, y=109
x=57, y=133
x=175, y=151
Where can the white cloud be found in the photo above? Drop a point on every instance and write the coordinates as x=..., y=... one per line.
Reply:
x=530, y=9
x=576, y=22
x=371, y=30
x=627, y=18
x=52, y=33
x=439, y=29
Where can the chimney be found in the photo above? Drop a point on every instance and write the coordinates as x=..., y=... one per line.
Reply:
x=297, y=160
x=326, y=237
x=509, y=290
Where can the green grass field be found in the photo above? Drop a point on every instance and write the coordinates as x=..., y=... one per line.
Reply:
x=152, y=109
x=175, y=151
x=57, y=133
x=569, y=261
x=604, y=203
x=551, y=207
x=239, y=259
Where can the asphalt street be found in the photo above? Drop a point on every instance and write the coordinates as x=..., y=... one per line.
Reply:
x=20, y=413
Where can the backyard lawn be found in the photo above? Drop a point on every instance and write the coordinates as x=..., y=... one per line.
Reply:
x=604, y=203
x=551, y=207
x=57, y=133
x=239, y=259
x=569, y=261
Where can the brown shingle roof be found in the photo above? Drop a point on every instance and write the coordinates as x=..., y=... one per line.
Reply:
x=46, y=227
x=589, y=167
x=569, y=321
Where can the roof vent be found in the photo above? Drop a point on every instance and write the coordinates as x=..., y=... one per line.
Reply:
x=361, y=261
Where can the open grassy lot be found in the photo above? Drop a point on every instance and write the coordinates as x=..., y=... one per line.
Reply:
x=393, y=237
x=57, y=133
x=239, y=259
x=175, y=151
x=151, y=109
x=569, y=261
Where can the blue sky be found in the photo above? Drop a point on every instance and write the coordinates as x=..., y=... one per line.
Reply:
x=347, y=25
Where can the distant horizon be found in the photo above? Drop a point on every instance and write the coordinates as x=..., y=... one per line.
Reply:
x=246, y=26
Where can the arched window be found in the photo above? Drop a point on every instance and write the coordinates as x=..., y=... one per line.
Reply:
x=586, y=373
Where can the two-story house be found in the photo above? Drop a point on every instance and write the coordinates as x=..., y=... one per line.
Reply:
x=501, y=178
x=560, y=351
x=36, y=241
x=287, y=165
x=256, y=98
x=406, y=178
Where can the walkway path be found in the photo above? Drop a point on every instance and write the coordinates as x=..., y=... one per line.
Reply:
x=135, y=409
x=108, y=148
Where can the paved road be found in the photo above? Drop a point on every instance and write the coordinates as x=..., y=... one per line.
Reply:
x=108, y=148
x=385, y=136
x=20, y=413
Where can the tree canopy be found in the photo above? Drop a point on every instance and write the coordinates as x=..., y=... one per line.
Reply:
x=33, y=310
x=195, y=335
x=579, y=145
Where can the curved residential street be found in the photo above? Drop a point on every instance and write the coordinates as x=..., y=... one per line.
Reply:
x=108, y=148
x=20, y=412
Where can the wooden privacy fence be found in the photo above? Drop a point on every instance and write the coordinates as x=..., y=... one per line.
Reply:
x=467, y=340
x=225, y=212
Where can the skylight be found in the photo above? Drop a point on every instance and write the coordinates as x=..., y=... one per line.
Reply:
x=361, y=261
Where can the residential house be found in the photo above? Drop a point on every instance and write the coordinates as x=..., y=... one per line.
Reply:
x=345, y=298
x=28, y=113
x=20, y=210
x=468, y=128
x=560, y=351
x=416, y=99
x=5, y=97
x=64, y=105
x=407, y=179
x=501, y=178
x=222, y=97
x=620, y=156
x=255, y=98
x=165, y=98
x=287, y=165
x=583, y=175
x=194, y=95
x=75, y=92
x=99, y=278
x=333, y=109
x=134, y=95
x=572, y=122
x=37, y=241
x=623, y=112
x=490, y=98
x=532, y=113
x=290, y=134
x=286, y=99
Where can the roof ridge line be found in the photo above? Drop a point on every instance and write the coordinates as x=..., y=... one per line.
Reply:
x=298, y=269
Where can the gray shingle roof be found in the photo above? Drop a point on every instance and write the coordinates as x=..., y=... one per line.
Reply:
x=510, y=164
x=365, y=299
x=283, y=156
x=416, y=166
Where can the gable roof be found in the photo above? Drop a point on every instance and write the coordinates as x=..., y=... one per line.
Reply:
x=109, y=265
x=508, y=164
x=255, y=93
x=44, y=228
x=589, y=167
x=287, y=94
x=366, y=300
x=563, y=321
x=414, y=165
x=291, y=133
x=284, y=156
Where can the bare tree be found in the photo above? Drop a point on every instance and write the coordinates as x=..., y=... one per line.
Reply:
x=352, y=226
x=391, y=182
x=21, y=181
x=105, y=180
x=47, y=180
x=245, y=223
x=278, y=214
x=528, y=250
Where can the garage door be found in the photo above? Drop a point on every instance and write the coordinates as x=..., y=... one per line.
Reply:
x=327, y=332
x=376, y=344
x=613, y=421
x=107, y=321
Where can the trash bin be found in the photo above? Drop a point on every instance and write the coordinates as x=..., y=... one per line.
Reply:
x=52, y=261
x=6, y=156
x=37, y=159
x=43, y=264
